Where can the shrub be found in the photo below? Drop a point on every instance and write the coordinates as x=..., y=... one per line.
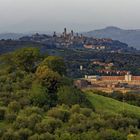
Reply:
x=48, y=125
x=70, y=96
x=2, y=113
x=14, y=106
x=10, y=135
x=10, y=117
x=24, y=133
x=110, y=134
x=39, y=95
x=63, y=115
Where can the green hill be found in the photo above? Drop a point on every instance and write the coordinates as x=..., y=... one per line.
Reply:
x=110, y=105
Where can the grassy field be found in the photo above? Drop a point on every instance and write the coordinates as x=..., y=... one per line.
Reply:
x=110, y=105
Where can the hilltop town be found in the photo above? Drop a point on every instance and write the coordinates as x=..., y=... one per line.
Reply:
x=76, y=40
x=66, y=40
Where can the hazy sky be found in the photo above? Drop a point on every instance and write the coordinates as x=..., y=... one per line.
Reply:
x=80, y=15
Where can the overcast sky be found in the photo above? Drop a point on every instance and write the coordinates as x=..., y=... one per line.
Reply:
x=80, y=15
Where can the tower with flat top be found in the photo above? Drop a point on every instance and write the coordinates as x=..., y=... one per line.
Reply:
x=65, y=32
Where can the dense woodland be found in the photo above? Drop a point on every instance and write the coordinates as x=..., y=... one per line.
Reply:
x=39, y=102
x=76, y=57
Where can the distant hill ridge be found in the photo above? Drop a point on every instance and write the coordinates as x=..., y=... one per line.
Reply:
x=131, y=37
x=13, y=36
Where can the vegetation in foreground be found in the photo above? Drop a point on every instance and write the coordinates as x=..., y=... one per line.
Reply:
x=37, y=102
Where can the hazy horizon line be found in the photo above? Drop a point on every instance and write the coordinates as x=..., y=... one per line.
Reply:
x=68, y=29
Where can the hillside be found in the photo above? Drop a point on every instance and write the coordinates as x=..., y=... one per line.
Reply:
x=112, y=106
x=38, y=102
x=13, y=36
x=131, y=37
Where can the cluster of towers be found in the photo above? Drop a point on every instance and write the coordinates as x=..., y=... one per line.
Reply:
x=70, y=39
x=65, y=34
